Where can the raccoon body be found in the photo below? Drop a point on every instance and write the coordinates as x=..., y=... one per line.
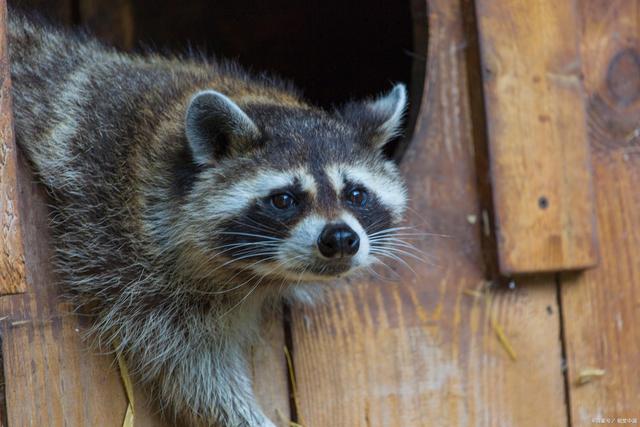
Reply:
x=188, y=196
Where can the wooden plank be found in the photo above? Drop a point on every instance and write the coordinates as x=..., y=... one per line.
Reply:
x=420, y=351
x=12, y=272
x=602, y=306
x=540, y=162
x=50, y=378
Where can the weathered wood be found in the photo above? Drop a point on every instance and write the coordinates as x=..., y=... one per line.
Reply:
x=540, y=163
x=421, y=352
x=602, y=306
x=51, y=379
x=12, y=272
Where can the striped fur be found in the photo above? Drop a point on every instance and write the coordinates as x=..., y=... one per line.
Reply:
x=155, y=229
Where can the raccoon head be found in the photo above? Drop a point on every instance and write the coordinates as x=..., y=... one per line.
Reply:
x=291, y=192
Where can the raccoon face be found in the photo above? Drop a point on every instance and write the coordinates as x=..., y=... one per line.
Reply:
x=292, y=192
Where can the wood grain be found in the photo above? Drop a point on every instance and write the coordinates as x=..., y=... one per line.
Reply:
x=602, y=306
x=12, y=271
x=50, y=377
x=418, y=351
x=540, y=163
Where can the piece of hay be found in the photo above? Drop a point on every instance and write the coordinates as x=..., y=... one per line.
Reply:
x=503, y=339
x=481, y=293
x=294, y=389
x=587, y=375
x=128, y=417
x=473, y=293
x=128, y=388
x=286, y=420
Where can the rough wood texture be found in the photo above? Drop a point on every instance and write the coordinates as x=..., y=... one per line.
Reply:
x=602, y=306
x=540, y=163
x=12, y=272
x=50, y=378
x=419, y=351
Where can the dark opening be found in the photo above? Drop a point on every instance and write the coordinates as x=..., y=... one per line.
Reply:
x=332, y=50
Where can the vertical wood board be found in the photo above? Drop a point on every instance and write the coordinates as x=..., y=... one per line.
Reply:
x=417, y=350
x=602, y=306
x=12, y=271
x=539, y=153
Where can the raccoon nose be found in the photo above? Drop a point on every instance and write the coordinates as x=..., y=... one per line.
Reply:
x=338, y=240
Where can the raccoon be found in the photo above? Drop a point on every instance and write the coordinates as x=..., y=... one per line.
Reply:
x=189, y=196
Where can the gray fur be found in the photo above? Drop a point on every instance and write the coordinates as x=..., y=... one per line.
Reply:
x=148, y=218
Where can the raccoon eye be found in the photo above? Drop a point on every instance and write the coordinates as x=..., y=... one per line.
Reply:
x=357, y=197
x=282, y=201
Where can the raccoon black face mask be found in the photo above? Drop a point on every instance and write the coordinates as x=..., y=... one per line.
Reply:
x=187, y=195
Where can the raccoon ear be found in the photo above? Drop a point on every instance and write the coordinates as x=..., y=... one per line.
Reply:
x=380, y=118
x=216, y=127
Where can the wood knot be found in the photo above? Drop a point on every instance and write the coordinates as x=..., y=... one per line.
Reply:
x=623, y=77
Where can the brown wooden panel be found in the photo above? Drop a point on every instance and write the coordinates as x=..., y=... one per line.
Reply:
x=420, y=351
x=540, y=164
x=12, y=272
x=50, y=377
x=602, y=306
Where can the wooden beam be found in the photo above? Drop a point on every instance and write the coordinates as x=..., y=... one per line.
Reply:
x=540, y=162
x=602, y=306
x=12, y=271
x=419, y=349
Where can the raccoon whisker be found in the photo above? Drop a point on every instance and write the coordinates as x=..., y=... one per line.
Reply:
x=396, y=233
x=387, y=266
x=398, y=244
x=229, y=280
x=232, y=260
x=259, y=226
x=260, y=236
x=394, y=257
x=239, y=244
x=246, y=246
x=243, y=283
x=243, y=250
x=373, y=225
x=391, y=229
x=380, y=276
x=243, y=299
x=397, y=250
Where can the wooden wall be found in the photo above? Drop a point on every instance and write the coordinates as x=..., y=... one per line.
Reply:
x=447, y=341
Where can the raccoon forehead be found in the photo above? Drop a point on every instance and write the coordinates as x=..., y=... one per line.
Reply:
x=383, y=180
x=239, y=195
